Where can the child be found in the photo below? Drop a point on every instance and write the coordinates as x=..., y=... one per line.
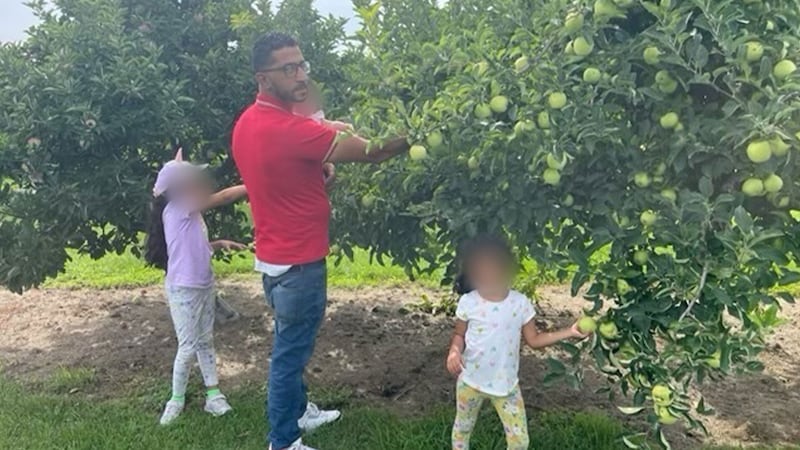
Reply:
x=178, y=243
x=484, y=350
x=312, y=108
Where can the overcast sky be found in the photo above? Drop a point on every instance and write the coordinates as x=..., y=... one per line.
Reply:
x=15, y=17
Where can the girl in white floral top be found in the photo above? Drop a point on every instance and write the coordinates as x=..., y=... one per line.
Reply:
x=484, y=350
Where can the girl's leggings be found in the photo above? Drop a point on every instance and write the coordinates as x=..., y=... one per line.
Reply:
x=193, y=311
x=510, y=408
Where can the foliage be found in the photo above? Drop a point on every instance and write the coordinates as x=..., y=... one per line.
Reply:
x=646, y=155
x=100, y=95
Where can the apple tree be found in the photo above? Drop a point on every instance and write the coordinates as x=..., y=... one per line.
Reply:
x=100, y=95
x=647, y=151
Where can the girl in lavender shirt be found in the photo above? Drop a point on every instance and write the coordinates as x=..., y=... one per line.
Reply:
x=178, y=243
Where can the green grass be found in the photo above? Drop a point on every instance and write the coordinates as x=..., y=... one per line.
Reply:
x=45, y=420
x=127, y=270
x=49, y=421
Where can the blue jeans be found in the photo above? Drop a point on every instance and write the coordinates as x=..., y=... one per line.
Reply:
x=298, y=299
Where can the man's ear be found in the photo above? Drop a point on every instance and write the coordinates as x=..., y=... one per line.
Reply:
x=263, y=80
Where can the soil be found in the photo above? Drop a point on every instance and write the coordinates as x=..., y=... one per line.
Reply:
x=372, y=344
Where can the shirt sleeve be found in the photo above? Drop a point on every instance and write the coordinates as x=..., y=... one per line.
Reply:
x=310, y=140
x=528, y=310
x=462, y=310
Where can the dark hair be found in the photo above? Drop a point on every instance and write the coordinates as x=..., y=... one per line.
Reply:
x=268, y=43
x=481, y=244
x=155, y=247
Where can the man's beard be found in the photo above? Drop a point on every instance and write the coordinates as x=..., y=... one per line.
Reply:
x=297, y=95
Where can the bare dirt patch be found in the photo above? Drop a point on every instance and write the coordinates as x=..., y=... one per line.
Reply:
x=371, y=345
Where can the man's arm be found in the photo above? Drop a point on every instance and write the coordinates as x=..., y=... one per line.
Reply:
x=354, y=149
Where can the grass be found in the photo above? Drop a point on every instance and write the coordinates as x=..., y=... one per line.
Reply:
x=126, y=270
x=44, y=420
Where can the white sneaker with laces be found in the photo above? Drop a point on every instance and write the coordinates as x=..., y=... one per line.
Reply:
x=171, y=412
x=315, y=418
x=296, y=445
x=218, y=405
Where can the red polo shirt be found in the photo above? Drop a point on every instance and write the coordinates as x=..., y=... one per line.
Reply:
x=279, y=156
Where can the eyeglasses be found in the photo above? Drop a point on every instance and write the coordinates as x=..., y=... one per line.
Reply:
x=290, y=70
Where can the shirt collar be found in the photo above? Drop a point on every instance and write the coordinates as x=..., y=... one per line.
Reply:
x=267, y=101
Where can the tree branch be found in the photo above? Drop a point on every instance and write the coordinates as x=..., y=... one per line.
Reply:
x=699, y=291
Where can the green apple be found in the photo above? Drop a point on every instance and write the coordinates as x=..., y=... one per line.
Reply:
x=608, y=330
x=662, y=395
x=640, y=257
x=483, y=111
x=770, y=25
x=759, y=151
x=782, y=201
x=592, y=75
x=668, y=87
x=661, y=168
x=499, y=104
x=434, y=139
x=773, y=183
x=778, y=147
x=543, y=120
x=582, y=47
x=652, y=55
x=607, y=8
x=569, y=50
x=481, y=68
x=473, y=163
x=418, y=152
x=664, y=416
x=663, y=76
x=557, y=100
x=679, y=126
x=642, y=179
x=625, y=3
x=753, y=51
x=753, y=187
x=783, y=69
x=521, y=64
x=669, y=194
x=524, y=126
x=669, y=120
x=714, y=360
x=551, y=176
x=368, y=200
x=648, y=218
x=568, y=201
x=573, y=23
x=623, y=287
x=587, y=325
x=553, y=163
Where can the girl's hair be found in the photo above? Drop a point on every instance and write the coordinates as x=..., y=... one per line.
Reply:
x=481, y=244
x=155, y=253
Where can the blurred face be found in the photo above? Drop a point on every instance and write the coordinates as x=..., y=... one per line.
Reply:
x=489, y=271
x=286, y=78
x=196, y=186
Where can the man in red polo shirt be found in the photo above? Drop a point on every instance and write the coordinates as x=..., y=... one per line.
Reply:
x=279, y=156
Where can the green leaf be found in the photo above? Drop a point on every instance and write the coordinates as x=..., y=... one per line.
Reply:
x=630, y=410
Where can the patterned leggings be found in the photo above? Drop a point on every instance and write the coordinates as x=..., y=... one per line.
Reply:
x=510, y=408
x=193, y=311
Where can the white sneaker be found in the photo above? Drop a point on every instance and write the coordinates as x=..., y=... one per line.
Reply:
x=171, y=412
x=296, y=445
x=218, y=405
x=315, y=418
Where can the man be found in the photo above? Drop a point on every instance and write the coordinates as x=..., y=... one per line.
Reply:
x=279, y=155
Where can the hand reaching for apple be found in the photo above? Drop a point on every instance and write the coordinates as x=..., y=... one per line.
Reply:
x=576, y=332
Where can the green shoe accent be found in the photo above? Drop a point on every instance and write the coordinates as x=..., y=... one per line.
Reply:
x=212, y=392
x=178, y=398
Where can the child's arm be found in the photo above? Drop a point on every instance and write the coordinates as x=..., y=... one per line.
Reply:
x=226, y=245
x=225, y=197
x=455, y=364
x=534, y=339
x=336, y=125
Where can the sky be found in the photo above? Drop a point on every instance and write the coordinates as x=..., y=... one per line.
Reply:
x=15, y=17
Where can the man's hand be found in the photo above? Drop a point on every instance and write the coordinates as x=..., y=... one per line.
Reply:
x=455, y=363
x=328, y=174
x=228, y=246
